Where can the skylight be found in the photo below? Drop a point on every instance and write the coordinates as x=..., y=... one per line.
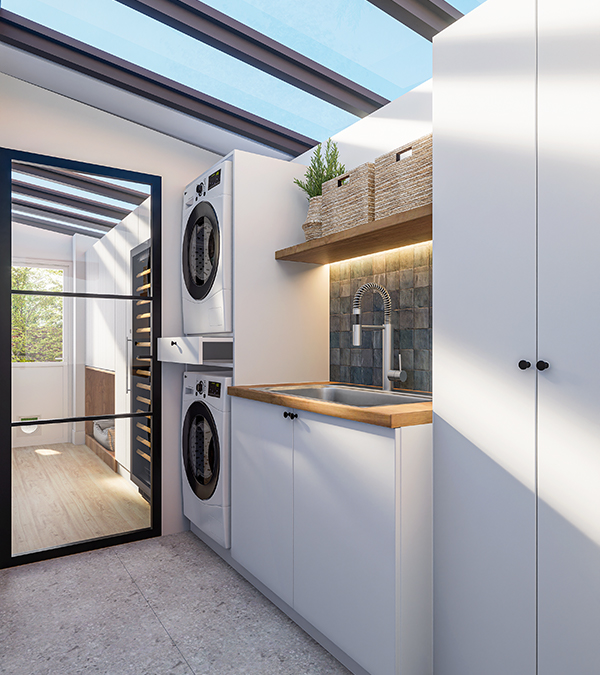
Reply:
x=352, y=37
x=132, y=36
x=372, y=57
x=465, y=6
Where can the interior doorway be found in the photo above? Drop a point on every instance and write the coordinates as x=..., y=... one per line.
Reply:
x=78, y=330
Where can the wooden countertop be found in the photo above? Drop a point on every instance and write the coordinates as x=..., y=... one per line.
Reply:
x=391, y=416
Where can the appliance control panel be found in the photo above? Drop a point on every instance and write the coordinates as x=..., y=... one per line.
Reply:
x=214, y=179
x=203, y=388
x=214, y=389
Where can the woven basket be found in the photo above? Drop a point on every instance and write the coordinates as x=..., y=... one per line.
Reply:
x=349, y=200
x=312, y=225
x=403, y=178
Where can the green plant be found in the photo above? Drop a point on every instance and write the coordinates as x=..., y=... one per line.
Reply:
x=321, y=169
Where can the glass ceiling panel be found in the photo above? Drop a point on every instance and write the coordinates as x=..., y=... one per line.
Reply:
x=130, y=35
x=465, y=6
x=352, y=37
x=69, y=210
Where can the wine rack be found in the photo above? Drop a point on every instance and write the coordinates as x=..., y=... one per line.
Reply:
x=141, y=369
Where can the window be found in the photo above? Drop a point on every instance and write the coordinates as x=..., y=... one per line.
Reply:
x=37, y=320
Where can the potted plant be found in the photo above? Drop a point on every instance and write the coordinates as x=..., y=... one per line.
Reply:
x=322, y=167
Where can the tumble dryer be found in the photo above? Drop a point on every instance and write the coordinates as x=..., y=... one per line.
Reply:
x=206, y=246
x=205, y=454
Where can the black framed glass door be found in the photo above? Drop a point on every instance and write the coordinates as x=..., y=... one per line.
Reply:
x=79, y=320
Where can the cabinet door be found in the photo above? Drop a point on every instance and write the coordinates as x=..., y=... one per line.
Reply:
x=569, y=330
x=262, y=493
x=344, y=536
x=483, y=325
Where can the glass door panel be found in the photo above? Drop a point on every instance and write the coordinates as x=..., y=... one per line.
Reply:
x=80, y=356
x=82, y=363
x=69, y=488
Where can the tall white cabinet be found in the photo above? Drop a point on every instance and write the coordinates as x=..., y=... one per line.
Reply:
x=517, y=278
x=569, y=337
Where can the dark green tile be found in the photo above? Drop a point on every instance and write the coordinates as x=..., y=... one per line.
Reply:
x=422, y=339
x=422, y=297
x=422, y=359
x=422, y=317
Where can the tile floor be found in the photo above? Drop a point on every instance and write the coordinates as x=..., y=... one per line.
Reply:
x=165, y=606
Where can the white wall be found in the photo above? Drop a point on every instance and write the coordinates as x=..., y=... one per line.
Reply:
x=400, y=121
x=35, y=120
x=31, y=243
x=31, y=382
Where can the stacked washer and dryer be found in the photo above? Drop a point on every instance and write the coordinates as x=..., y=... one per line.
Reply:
x=207, y=259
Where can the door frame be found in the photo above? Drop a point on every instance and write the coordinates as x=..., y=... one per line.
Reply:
x=155, y=183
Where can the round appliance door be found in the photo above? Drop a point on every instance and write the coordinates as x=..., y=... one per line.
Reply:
x=201, y=452
x=201, y=246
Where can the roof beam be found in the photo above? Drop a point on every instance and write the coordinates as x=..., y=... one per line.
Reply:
x=75, y=55
x=55, y=227
x=67, y=199
x=60, y=214
x=198, y=20
x=425, y=17
x=81, y=181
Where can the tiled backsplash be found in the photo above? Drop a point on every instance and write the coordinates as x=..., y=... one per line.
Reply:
x=406, y=274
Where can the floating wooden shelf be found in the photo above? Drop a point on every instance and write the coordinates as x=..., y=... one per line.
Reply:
x=401, y=229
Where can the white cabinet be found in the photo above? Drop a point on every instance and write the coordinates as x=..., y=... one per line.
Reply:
x=335, y=517
x=262, y=493
x=280, y=309
x=568, y=338
x=345, y=536
x=517, y=452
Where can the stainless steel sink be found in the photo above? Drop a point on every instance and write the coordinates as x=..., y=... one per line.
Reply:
x=348, y=395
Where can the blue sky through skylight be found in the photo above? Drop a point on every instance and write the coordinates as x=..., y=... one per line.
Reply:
x=352, y=37
x=465, y=6
x=130, y=35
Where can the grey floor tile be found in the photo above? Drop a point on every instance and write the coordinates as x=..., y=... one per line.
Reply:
x=221, y=623
x=81, y=614
x=164, y=606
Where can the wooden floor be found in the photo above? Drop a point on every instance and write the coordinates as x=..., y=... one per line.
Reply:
x=63, y=493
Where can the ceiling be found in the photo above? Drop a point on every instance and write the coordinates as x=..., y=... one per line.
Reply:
x=71, y=202
x=262, y=75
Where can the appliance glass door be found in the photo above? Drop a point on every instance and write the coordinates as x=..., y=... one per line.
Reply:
x=201, y=246
x=201, y=450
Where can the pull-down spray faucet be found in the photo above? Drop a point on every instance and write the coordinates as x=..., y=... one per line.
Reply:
x=387, y=348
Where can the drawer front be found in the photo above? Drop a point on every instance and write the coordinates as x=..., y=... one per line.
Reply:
x=180, y=350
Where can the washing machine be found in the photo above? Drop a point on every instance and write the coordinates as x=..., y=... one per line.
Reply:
x=206, y=252
x=205, y=453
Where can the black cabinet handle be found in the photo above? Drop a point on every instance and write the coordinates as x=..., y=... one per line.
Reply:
x=523, y=365
x=173, y=343
x=286, y=414
x=542, y=365
x=291, y=415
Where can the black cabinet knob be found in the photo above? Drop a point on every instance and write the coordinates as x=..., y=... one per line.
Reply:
x=173, y=343
x=542, y=365
x=291, y=415
x=523, y=365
